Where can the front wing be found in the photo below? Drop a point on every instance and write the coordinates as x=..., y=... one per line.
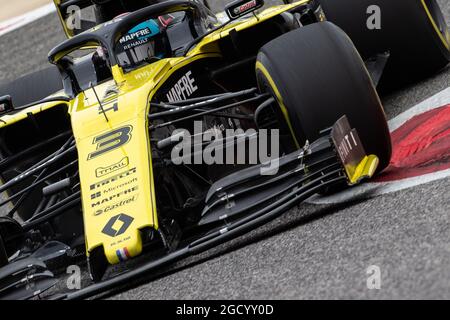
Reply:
x=336, y=158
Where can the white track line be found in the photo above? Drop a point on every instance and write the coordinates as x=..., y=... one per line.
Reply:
x=439, y=100
x=368, y=190
x=20, y=21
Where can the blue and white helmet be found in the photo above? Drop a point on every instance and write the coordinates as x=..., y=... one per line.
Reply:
x=144, y=42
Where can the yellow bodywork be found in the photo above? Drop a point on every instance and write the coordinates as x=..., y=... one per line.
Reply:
x=118, y=195
x=126, y=190
x=115, y=164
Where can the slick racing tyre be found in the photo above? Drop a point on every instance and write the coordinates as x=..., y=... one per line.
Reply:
x=413, y=31
x=317, y=76
x=33, y=87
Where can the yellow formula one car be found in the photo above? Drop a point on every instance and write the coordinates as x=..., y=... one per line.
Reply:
x=162, y=132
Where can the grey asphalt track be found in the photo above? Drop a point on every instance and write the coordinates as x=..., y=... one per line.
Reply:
x=312, y=252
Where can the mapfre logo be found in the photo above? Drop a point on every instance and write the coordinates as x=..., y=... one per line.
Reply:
x=103, y=171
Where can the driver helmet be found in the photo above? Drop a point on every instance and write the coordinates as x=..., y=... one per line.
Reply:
x=144, y=41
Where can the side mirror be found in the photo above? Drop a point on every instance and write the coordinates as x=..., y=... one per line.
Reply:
x=240, y=8
x=6, y=104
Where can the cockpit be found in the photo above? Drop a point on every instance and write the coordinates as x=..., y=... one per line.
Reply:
x=131, y=41
x=78, y=16
x=155, y=39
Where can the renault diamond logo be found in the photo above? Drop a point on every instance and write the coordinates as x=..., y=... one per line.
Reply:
x=122, y=220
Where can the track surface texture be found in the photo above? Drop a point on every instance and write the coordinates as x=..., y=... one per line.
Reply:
x=312, y=252
x=9, y=9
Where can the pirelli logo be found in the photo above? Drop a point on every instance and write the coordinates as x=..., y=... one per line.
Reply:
x=115, y=178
